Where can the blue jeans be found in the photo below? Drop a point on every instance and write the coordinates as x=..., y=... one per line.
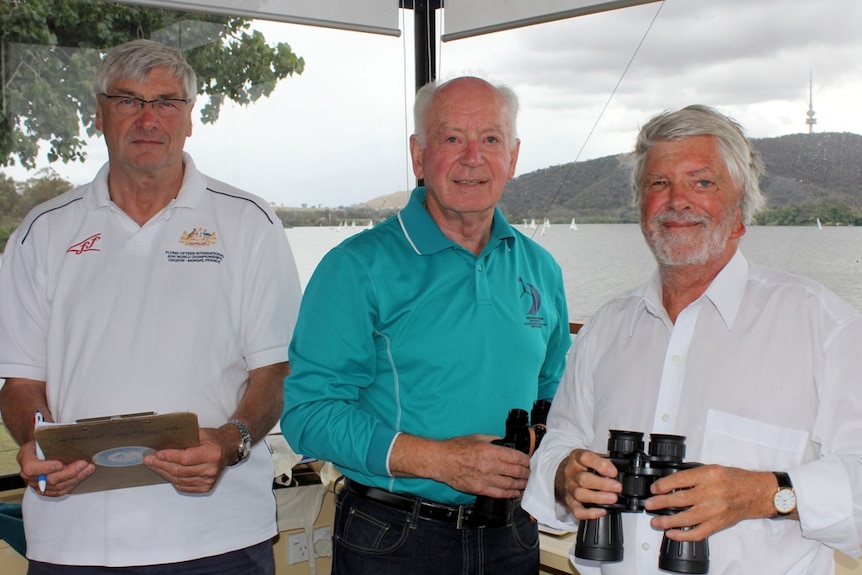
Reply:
x=371, y=538
x=255, y=560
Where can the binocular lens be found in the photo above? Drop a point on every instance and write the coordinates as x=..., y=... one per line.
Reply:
x=601, y=539
x=684, y=556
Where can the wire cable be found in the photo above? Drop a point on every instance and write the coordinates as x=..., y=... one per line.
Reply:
x=601, y=113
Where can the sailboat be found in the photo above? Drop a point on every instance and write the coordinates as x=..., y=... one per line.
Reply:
x=545, y=225
x=819, y=225
x=533, y=224
x=573, y=226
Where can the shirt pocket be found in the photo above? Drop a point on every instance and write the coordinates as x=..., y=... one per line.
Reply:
x=737, y=441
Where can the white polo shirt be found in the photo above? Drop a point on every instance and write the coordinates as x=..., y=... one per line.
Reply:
x=169, y=316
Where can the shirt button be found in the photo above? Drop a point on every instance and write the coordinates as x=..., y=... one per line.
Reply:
x=665, y=417
x=645, y=546
x=479, y=267
x=675, y=358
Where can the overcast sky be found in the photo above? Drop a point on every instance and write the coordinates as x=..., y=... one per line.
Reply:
x=336, y=135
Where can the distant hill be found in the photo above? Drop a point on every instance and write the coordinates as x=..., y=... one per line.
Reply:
x=802, y=169
x=805, y=174
x=395, y=200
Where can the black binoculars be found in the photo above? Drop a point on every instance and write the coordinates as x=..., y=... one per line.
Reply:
x=524, y=434
x=602, y=539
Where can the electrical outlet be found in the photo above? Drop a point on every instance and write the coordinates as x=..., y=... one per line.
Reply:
x=322, y=542
x=297, y=548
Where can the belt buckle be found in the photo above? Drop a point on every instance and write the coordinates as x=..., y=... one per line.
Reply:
x=460, y=524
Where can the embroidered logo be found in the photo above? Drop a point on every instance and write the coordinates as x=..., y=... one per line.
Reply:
x=85, y=246
x=198, y=237
x=528, y=289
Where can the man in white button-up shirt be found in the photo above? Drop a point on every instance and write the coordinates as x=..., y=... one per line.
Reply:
x=758, y=369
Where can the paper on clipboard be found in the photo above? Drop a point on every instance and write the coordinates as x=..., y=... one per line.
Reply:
x=117, y=445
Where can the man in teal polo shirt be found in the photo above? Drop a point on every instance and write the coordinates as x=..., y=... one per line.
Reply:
x=414, y=341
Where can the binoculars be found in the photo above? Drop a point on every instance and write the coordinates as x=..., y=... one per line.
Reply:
x=524, y=434
x=602, y=539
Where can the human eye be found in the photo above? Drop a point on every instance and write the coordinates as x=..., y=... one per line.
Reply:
x=653, y=184
x=704, y=184
x=167, y=105
x=128, y=103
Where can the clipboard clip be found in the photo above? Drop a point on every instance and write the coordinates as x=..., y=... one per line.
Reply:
x=115, y=417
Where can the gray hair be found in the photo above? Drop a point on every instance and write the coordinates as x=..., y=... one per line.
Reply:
x=744, y=164
x=425, y=96
x=136, y=59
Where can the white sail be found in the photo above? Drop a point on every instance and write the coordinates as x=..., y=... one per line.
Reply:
x=819, y=225
x=573, y=225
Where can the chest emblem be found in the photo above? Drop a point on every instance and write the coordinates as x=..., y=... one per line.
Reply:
x=85, y=246
x=198, y=237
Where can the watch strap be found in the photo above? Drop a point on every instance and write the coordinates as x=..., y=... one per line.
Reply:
x=244, y=446
x=783, y=479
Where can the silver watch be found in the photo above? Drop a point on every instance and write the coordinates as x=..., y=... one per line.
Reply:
x=244, y=448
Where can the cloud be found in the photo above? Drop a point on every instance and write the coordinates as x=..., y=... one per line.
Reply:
x=337, y=134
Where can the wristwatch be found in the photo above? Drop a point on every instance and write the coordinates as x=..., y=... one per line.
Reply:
x=244, y=448
x=784, y=499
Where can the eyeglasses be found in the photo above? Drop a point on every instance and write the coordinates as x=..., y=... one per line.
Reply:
x=130, y=105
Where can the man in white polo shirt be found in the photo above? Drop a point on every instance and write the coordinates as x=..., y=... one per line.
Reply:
x=152, y=288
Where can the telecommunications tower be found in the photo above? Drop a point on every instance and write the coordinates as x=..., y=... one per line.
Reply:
x=811, y=120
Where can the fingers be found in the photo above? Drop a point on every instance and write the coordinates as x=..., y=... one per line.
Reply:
x=586, y=480
x=712, y=498
x=62, y=480
x=192, y=470
x=474, y=465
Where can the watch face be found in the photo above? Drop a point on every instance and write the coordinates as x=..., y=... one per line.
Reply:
x=785, y=501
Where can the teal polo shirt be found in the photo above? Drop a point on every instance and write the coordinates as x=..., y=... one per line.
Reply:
x=402, y=330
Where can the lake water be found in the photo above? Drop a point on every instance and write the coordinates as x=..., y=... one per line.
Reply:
x=602, y=260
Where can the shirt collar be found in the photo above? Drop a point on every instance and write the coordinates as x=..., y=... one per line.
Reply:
x=725, y=293
x=425, y=235
x=191, y=190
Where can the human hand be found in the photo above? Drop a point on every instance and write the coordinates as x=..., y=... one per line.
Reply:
x=194, y=469
x=586, y=478
x=470, y=463
x=713, y=497
x=60, y=479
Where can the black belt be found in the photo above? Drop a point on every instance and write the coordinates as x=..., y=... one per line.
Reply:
x=461, y=516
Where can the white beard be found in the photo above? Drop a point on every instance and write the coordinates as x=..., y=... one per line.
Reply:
x=694, y=245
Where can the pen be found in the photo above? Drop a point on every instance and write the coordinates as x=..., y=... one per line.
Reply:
x=43, y=479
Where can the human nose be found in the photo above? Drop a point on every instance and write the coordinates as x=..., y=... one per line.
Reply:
x=147, y=113
x=679, y=196
x=472, y=155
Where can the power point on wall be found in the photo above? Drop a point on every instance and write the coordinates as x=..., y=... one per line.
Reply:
x=322, y=542
x=297, y=548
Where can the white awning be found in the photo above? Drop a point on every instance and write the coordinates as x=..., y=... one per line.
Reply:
x=465, y=18
x=375, y=16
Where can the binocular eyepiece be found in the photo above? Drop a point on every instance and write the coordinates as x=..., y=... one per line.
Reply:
x=523, y=433
x=602, y=539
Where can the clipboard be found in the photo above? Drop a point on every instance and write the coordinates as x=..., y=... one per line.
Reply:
x=116, y=445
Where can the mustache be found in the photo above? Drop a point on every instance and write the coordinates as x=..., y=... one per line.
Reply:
x=673, y=216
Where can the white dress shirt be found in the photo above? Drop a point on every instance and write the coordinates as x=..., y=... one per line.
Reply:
x=762, y=372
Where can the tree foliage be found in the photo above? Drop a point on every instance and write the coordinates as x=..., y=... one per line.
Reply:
x=18, y=198
x=50, y=50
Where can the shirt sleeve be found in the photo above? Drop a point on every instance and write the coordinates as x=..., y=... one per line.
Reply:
x=569, y=427
x=272, y=292
x=829, y=489
x=558, y=346
x=23, y=311
x=333, y=359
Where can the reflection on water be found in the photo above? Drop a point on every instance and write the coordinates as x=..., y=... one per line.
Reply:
x=600, y=261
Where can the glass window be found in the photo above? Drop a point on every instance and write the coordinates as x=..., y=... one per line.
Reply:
x=335, y=136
